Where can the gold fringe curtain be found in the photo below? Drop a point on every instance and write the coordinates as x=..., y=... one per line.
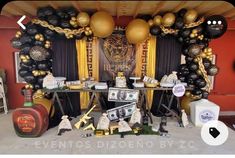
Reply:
x=151, y=64
x=138, y=58
x=95, y=58
x=82, y=69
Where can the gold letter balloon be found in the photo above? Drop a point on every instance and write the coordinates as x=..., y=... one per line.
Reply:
x=83, y=19
x=102, y=24
x=137, y=31
x=168, y=19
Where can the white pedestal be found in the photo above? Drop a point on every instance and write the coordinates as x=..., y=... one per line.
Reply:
x=202, y=111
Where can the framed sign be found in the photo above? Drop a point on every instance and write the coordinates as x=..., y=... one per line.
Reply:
x=17, y=67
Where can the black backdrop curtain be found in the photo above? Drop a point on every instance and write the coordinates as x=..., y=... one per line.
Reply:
x=65, y=65
x=168, y=57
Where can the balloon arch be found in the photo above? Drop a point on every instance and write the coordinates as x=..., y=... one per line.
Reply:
x=193, y=32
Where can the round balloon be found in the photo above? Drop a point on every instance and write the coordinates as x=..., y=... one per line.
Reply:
x=168, y=19
x=83, y=19
x=102, y=24
x=182, y=12
x=215, y=26
x=212, y=70
x=193, y=66
x=157, y=20
x=200, y=83
x=179, y=23
x=194, y=50
x=53, y=19
x=22, y=72
x=155, y=30
x=16, y=43
x=190, y=16
x=137, y=31
x=32, y=29
x=39, y=53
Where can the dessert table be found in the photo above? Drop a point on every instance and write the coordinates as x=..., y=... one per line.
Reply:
x=143, y=98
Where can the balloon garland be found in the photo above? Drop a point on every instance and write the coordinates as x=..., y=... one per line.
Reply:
x=194, y=33
x=195, y=37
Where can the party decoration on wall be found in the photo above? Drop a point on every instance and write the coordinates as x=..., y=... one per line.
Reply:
x=83, y=19
x=192, y=31
x=215, y=26
x=137, y=31
x=168, y=19
x=102, y=24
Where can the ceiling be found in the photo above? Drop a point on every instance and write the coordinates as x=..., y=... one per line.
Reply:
x=123, y=8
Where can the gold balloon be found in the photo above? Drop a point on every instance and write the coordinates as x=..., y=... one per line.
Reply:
x=83, y=19
x=150, y=22
x=168, y=19
x=190, y=16
x=157, y=20
x=102, y=24
x=185, y=104
x=137, y=31
x=37, y=36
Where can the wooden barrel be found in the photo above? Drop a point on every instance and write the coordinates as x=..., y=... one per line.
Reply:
x=30, y=121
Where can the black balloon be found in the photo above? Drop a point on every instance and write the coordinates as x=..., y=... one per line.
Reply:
x=43, y=66
x=40, y=79
x=197, y=91
x=182, y=12
x=39, y=43
x=212, y=70
x=155, y=30
x=185, y=50
x=25, y=66
x=32, y=29
x=29, y=78
x=49, y=32
x=49, y=11
x=193, y=66
x=188, y=59
x=16, y=43
x=181, y=78
x=25, y=48
x=193, y=76
x=200, y=83
x=179, y=23
x=194, y=50
x=65, y=24
x=206, y=63
x=203, y=44
x=41, y=13
x=22, y=72
x=53, y=19
x=205, y=94
x=62, y=15
x=26, y=39
x=71, y=11
x=192, y=41
x=190, y=81
x=185, y=33
x=180, y=39
x=215, y=26
x=37, y=86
